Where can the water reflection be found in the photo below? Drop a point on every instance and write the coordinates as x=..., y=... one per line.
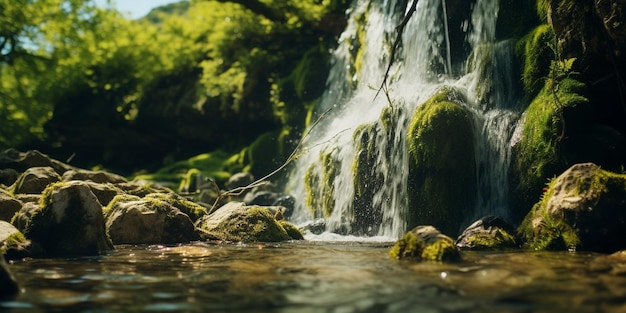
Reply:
x=318, y=277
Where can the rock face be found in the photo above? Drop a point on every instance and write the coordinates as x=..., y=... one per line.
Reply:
x=132, y=220
x=425, y=243
x=68, y=221
x=442, y=160
x=237, y=222
x=34, y=180
x=584, y=208
x=488, y=233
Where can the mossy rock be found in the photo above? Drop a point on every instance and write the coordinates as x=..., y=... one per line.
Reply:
x=540, y=152
x=582, y=209
x=319, y=183
x=34, y=180
x=150, y=220
x=534, y=49
x=8, y=205
x=194, y=210
x=425, y=243
x=515, y=18
x=442, y=166
x=67, y=222
x=13, y=244
x=237, y=222
x=488, y=233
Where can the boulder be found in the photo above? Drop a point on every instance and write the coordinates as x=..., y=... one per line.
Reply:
x=194, y=210
x=239, y=180
x=35, y=179
x=488, y=233
x=24, y=215
x=238, y=222
x=8, y=285
x=8, y=206
x=582, y=209
x=8, y=176
x=442, y=167
x=21, y=161
x=94, y=176
x=142, y=188
x=425, y=243
x=132, y=220
x=68, y=222
x=13, y=244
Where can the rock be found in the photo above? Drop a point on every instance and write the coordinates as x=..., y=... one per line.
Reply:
x=94, y=176
x=24, y=215
x=13, y=244
x=194, y=210
x=21, y=161
x=239, y=180
x=8, y=176
x=8, y=206
x=132, y=220
x=105, y=192
x=442, y=159
x=26, y=198
x=142, y=188
x=240, y=223
x=68, y=222
x=8, y=285
x=316, y=227
x=425, y=243
x=583, y=208
x=488, y=233
x=34, y=180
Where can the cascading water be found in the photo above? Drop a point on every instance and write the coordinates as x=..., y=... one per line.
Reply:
x=354, y=172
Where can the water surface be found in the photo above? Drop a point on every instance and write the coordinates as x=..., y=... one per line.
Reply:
x=315, y=276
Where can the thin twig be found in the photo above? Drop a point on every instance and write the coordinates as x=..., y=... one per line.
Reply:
x=259, y=182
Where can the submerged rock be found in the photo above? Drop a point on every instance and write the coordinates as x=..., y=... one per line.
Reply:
x=68, y=221
x=425, y=243
x=583, y=208
x=488, y=233
x=240, y=223
x=152, y=220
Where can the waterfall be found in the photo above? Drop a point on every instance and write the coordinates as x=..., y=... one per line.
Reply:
x=353, y=173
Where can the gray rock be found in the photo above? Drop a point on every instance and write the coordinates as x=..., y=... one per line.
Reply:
x=94, y=176
x=34, y=180
x=8, y=206
x=68, y=222
x=21, y=161
x=132, y=220
x=8, y=176
x=239, y=180
x=13, y=244
x=488, y=233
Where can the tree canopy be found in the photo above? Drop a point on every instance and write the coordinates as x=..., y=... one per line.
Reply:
x=189, y=77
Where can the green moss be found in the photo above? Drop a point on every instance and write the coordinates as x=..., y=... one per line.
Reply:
x=311, y=184
x=117, y=199
x=15, y=241
x=438, y=249
x=442, y=166
x=192, y=209
x=265, y=154
x=256, y=224
x=498, y=240
x=536, y=54
x=319, y=184
x=291, y=230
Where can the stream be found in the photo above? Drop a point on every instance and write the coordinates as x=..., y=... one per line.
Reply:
x=345, y=275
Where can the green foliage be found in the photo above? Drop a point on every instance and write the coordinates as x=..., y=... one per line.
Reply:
x=536, y=55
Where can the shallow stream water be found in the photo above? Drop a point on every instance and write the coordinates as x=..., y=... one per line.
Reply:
x=313, y=276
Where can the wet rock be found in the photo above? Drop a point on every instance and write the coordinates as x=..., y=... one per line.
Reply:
x=425, y=243
x=94, y=176
x=582, y=209
x=21, y=161
x=488, y=233
x=440, y=140
x=13, y=244
x=68, y=222
x=8, y=206
x=316, y=227
x=34, y=180
x=238, y=222
x=8, y=285
x=132, y=220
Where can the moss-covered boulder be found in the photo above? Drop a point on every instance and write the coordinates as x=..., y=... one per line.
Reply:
x=151, y=220
x=582, y=209
x=442, y=166
x=8, y=205
x=488, y=233
x=68, y=221
x=13, y=244
x=237, y=222
x=21, y=161
x=194, y=210
x=34, y=180
x=425, y=243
